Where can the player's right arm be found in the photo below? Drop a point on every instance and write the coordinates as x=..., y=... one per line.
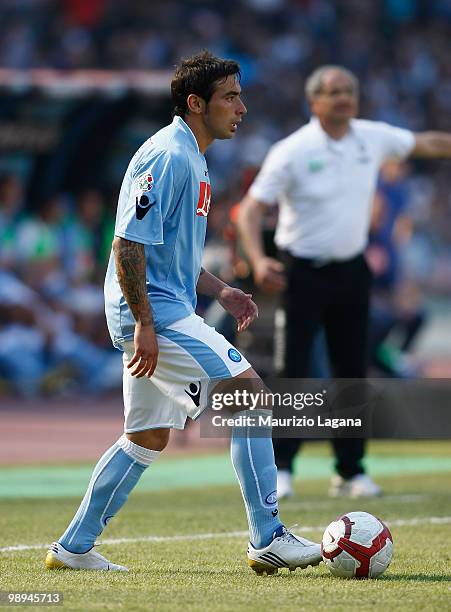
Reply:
x=268, y=272
x=131, y=273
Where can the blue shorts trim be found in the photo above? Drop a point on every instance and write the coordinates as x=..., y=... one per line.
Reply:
x=209, y=361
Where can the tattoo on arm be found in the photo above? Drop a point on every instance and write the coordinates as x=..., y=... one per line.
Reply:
x=131, y=273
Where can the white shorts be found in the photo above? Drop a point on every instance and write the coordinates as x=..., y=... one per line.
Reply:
x=192, y=357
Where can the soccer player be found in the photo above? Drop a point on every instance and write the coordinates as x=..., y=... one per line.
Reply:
x=171, y=357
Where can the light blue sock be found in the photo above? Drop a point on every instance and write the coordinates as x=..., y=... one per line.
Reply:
x=253, y=459
x=114, y=476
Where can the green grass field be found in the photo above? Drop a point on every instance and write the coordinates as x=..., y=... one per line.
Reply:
x=186, y=545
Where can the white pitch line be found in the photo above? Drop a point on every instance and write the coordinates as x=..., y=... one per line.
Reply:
x=431, y=520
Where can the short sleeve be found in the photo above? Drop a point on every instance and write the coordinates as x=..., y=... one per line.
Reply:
x=273, y=177
x=151, y=192
x=395, y=142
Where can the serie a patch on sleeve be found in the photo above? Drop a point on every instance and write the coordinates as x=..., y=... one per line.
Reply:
x=144, y=199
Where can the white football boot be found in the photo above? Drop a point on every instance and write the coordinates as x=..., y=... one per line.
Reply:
x=284, y=484
x=360, y=485
x=286, y=550
x=58, y=558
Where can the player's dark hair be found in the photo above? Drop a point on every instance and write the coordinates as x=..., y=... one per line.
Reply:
x=199, y=75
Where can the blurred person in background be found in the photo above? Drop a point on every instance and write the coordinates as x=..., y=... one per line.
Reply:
x=22, y=324
x=323, y=176
x=84, y=231
x=11, y=211
x=396, y=314
x=40, y=246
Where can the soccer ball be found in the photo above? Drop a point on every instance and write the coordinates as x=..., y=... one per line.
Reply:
x=357, y=544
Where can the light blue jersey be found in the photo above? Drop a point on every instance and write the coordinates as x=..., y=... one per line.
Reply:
x=163, y=204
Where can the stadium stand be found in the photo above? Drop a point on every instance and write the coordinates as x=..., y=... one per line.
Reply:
x=62, y=140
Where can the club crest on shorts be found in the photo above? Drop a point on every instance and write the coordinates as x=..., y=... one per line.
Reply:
x=234, y=355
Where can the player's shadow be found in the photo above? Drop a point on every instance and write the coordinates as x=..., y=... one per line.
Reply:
x=416, y=577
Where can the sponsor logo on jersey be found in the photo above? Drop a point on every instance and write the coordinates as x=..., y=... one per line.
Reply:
x=234, y=355
x=203, y=203
x=193, y=392
x=315, y=165
x=363, y=158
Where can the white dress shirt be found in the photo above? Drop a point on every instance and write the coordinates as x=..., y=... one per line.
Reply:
x=325, y=187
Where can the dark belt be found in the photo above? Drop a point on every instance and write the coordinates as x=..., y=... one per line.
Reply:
x=319, y=262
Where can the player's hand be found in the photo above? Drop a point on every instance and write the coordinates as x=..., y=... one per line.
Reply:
x=146, y=351
x=239, y=305
x=269, y=275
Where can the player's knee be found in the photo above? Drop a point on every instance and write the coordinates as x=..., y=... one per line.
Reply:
x=152, y=439
x=248, y=391
x=250, y=373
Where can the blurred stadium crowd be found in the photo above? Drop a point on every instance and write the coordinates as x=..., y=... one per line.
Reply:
x=52, y=323
x=52, y=257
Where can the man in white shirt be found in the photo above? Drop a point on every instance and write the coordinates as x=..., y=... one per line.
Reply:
x=323, y=177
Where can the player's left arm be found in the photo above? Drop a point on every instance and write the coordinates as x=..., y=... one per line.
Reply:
x=233, y=300
x=432, y=145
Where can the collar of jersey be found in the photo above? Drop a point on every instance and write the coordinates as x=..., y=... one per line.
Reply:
x=314, y=122
x=178, y=121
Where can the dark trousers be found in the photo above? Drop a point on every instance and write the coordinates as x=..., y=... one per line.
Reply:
x=334, y=296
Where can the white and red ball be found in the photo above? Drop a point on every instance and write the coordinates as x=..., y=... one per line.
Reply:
x=357, y=544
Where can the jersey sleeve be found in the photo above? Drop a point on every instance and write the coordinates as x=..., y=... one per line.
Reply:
x=147, y=203
x=273, y=177
x=396, y=143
